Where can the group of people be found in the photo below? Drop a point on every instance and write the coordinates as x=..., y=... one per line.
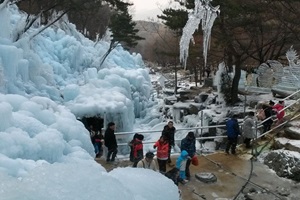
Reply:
x=266, y=114
x=163, y=146
x=109, y=140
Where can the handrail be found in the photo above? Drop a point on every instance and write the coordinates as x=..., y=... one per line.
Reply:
x=283, y=108
x=214, y=126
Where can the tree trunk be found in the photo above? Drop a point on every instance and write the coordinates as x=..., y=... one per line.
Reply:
x=195, y=73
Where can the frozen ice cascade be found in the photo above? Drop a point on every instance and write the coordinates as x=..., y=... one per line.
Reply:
x=204, y=11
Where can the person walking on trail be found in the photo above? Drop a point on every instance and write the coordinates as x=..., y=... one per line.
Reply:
x=189, y=145
x=181, y=166
x=148, y=162
x=162, y=146
x=111, y=142
x=169, y=133
x=248, y=129
x=136, y=149
x=233, y=131
x=268, y=112
x=280, y=112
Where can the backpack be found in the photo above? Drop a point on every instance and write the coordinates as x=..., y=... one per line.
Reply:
x=261, y=114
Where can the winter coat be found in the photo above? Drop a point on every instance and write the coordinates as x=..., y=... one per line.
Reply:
x=248, y=125
x=278, y=107
x=147, y=165
x=162, y=150
x=188, y=145
x=136, y=152
x=110, y=139
x=268, y=113
x=233, y=129
x=181, y=160
x=98, y=138
x=169, y=134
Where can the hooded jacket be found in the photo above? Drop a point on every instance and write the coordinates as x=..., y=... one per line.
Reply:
x=248, y=131
x=181, y=160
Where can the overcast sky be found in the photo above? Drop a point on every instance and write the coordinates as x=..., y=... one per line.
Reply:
x=145, y=9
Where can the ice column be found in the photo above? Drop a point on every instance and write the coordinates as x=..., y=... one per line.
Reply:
x=203, y=11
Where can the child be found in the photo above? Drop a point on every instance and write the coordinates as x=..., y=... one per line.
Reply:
x=162, y=153
x=181, y=165
x=136, y=146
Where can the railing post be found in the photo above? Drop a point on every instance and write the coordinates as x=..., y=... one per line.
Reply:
x=201, y=131
x=256, y=137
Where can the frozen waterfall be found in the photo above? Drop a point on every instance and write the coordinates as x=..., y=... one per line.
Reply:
x=204, y=11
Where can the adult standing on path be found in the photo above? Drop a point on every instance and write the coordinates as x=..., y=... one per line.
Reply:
x=279, y=107
x=169, y=133
x=248, y=131
x=233, y=131
x=268, y=115
x=111, y=142
x=189, y=145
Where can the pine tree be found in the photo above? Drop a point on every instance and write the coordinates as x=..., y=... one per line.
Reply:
x=123, y=30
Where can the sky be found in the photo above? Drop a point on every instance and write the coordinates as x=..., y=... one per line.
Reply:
x=148, y=9
x=49, y=82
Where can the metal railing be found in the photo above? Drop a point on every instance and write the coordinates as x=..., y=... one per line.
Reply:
x=196, y=129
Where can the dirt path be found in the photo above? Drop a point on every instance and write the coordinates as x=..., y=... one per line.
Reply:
x=231, y=172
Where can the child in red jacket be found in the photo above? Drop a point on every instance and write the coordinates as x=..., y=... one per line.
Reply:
x=162, y=153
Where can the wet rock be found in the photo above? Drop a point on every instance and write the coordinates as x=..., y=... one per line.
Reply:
x=206, y=177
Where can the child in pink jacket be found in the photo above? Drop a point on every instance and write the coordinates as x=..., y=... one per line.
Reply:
x=162, y=146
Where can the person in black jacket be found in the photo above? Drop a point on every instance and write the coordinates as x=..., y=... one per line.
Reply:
x=169, y=132
x=268, y=113
x=111, y=142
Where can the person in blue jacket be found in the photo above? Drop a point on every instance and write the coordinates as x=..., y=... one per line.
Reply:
x=233, y=131
x=181, y=166
x=189, y=145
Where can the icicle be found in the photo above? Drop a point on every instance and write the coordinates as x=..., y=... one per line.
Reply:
x=202, y=11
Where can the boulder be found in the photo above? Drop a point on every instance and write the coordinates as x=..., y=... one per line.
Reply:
x=193, y=110
x=285, y=163
x=284, y=143
x=206, y=177
x=208, y=82
x=292, y=132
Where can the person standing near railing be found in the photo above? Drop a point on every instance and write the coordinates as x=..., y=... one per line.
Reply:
x=169, y=133
x=162, y=146
x=111, y=142
x=279, y=107
x=233, y=131
x=189, y=144
x=268, y=112
x=136, y=149
x=248, y=131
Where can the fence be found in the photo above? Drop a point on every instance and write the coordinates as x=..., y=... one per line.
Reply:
x=199, y=130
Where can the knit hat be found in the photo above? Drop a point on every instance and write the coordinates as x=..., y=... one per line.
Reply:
x=191, y=134
x=110, y=124
x=149, y=154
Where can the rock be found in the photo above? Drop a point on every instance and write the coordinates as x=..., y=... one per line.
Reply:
x=206, y=177
x=208, y=82
x=292, y=132
x=285, y=163
x=193, y=110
